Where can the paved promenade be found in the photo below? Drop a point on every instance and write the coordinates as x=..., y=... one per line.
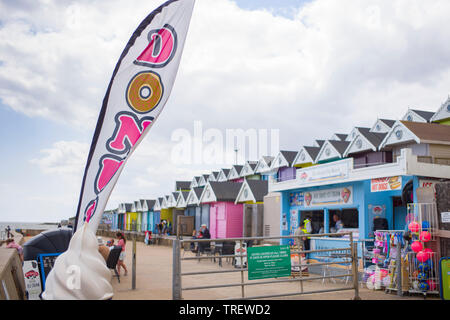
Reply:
x=154, y=280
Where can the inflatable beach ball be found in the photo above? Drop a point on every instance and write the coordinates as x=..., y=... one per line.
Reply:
x=423, y=286
x=429, y=252
x=424, y=267
x=425, y=236
x=422, y=277
x=414, y=227
x=422, y=256
x=416, y=246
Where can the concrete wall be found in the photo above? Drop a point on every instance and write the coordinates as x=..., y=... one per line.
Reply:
x=272, y=209
x=12, y=283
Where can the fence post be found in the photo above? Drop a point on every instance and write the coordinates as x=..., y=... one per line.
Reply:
x=176, y=270
x=133, y=267
x=242, y=267
x=354, y=254
x=398, y=265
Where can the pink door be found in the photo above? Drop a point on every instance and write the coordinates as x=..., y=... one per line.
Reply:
x=212, y=221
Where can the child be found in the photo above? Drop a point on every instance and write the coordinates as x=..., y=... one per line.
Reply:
x=10, y=243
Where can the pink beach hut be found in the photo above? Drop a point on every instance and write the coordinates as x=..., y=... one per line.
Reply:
x=225, y=216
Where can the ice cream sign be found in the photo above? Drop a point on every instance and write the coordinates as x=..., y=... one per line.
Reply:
x=386, y=184
x=323, y=172
x=336, y=196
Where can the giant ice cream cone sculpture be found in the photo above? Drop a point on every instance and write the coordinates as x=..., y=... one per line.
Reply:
x=80, y=273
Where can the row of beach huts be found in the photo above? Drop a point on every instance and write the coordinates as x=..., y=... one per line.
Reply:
x=340, y=175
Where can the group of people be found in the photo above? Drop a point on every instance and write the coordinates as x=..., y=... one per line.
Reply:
x=10, y=242
x=203, y=233
x=164, y=227
x=121, y=242
x=305, y=228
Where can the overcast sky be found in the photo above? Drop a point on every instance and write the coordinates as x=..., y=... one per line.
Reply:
x=307, y=68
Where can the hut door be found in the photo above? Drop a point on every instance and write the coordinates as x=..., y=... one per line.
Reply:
x=400, y=213
x=247, y=223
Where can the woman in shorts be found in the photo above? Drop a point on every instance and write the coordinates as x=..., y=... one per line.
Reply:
x=122, y=241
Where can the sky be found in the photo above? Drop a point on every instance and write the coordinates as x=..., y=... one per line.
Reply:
x=305, y=68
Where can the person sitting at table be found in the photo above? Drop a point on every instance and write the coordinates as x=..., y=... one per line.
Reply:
x=203, y=234
x=194, y=236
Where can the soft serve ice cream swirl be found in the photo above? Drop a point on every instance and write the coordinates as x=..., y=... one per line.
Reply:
x=80, y=272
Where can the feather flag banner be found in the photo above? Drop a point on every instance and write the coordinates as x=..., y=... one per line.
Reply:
x=139, y=88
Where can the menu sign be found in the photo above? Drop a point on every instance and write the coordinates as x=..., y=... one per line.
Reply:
x=32, y=279
x=336, y=196
x=386, y=184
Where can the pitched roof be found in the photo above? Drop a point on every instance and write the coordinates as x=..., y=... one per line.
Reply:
x=375, y=138
x=128, y=207
x=238, y=168
x=259, y=188
x=226, y=190
x=341, y=136
x=427, y=115
x=150, y=203
x=252, y=164
x=198, y=191
x=388, y=122
x=215, y=174
x=340, y=146
x=185, y=194
x=443, y=112
x=320, y=143
x=312, y=151
x=289, y=155
x=268, y=160
x=183, y=185
x=226, y=172
x=429, y=132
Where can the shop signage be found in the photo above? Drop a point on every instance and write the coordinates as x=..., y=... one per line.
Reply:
x=296, y=198
x=386, y=184
x=293, y=220
x=327, y=197
x=377, y=210
x=269, y=262
x=32, y=279
x=323, y=173
x=445, y=217
x=427, y=183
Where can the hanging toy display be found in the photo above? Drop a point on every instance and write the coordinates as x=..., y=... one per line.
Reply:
x=425, y=236
x=414, y=227
x=423, y=267
x=416, y=246
x=422, y=256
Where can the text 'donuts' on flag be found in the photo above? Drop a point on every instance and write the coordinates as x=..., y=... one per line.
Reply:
x=139, y=88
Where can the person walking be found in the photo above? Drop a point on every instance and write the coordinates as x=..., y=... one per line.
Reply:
x=121, y=243
x=8, y=232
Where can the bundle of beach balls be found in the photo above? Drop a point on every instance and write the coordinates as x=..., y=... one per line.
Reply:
x=423, y=255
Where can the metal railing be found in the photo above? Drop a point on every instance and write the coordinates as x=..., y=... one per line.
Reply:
x=350, y=258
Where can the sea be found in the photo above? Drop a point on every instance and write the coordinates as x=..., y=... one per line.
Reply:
x=28, y=225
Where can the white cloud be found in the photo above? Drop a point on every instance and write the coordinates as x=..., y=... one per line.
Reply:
x=65, y=158
x=334, y=65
